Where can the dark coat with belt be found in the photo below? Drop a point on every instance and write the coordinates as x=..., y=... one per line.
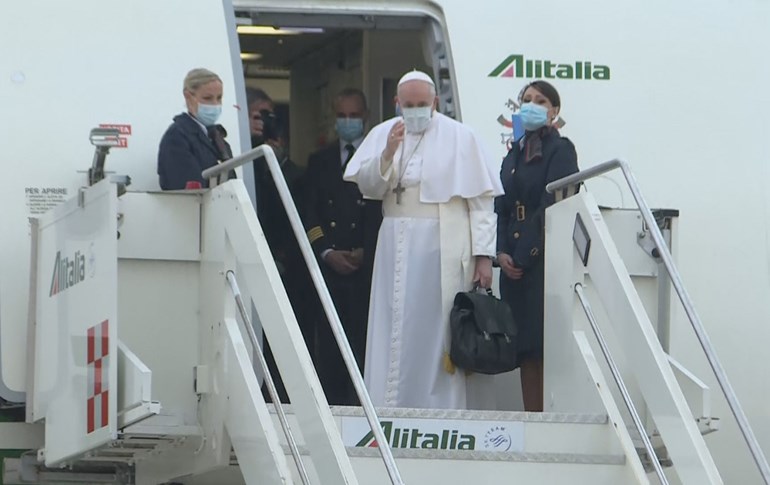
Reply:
x=186, y=151
x=521, y=229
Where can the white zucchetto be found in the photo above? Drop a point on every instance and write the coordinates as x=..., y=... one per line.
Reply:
x=415, y=76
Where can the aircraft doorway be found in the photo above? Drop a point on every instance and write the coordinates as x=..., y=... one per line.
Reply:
x=302, y=61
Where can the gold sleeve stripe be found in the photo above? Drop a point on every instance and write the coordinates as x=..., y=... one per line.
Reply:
x=314, y=234
x=314, y=230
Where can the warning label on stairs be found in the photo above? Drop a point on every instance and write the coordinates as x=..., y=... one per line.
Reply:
x=41, y=199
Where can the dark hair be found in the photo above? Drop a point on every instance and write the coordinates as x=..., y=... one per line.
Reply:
x=254, y=95
x=546, y=89
x=350, y=92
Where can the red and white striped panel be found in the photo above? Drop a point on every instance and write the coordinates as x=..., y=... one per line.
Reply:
x=97, y=415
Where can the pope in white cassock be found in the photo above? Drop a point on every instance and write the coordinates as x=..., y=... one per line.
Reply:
x=437, y=237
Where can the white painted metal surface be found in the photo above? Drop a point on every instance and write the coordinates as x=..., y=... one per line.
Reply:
x=134, y=385
x=173, y=221
x=660, y=247
x=629, y=323
x=234, y=240
x=616, y=418
x=324, y=294
x=260, y=362
x=247, y=420
x=75, y=388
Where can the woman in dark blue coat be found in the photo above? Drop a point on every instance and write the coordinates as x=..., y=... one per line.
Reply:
x=194, y=142
x=539, y=157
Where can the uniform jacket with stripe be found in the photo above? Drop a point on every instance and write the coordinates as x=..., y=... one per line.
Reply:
x=334, y=209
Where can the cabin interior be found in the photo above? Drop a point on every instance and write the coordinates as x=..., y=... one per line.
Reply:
x=301, y=61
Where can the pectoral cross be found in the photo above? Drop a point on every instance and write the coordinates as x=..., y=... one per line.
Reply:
x=398, y=191
x=403, y=165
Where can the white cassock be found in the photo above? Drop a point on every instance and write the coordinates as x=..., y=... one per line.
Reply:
x=424, y=256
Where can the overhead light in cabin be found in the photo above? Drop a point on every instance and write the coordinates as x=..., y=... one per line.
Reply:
x=250, y=56
x=264, y=30
x=269, y=30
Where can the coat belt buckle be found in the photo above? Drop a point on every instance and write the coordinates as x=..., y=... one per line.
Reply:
x=521, y=213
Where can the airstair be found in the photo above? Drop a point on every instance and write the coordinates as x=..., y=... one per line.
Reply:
x=146, y=364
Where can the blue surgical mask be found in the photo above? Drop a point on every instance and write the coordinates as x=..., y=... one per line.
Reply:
x=208, y=114
x=533, y=116
x=350, y=129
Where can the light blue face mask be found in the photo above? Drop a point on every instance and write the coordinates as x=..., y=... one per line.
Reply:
x=349, y=129
x=533, y=116
x=208, y=114
x=417, y=119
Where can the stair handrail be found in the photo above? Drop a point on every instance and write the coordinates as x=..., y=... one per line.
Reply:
x=266, y=151
x=616, y=375
x=271, y=389
x=573, y=180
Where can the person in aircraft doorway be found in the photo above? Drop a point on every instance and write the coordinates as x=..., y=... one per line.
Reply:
x=334, y=219
x=265, y=129
x=437, y=238
x=194, y=142
x=541, y=156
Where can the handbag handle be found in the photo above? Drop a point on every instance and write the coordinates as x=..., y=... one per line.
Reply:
x=477, y=287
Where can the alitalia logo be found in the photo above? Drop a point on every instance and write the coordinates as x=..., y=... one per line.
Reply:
x=445, y=439
x=67, y=272
x=517, y=66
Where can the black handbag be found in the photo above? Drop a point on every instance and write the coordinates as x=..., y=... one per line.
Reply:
x=483, y=333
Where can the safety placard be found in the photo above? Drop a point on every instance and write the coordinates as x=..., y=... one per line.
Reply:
x=42, y=199
x=124, y=130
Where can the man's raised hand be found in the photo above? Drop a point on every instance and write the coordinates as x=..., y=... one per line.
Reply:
x=395, y=137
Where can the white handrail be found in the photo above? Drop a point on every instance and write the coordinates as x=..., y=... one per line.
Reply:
x=684, y=297
x=621, y=384
x=323, y=292
x=271, y=389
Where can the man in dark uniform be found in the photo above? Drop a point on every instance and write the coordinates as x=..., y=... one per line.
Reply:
x=334, y=219
x=272, y=216
x=275, y=222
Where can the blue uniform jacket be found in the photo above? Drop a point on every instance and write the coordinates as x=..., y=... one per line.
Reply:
x=521, y=211
x=186, y=151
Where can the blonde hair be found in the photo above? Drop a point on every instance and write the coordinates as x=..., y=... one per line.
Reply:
x=197, y=78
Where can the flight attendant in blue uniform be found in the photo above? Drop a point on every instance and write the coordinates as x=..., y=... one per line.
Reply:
x=538, y=158
x=194, y=142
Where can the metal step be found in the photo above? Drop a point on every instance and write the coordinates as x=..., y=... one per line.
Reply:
x=560, y=448
x=492, y=431
x=462, y=447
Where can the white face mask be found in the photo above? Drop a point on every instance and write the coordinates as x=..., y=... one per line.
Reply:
x=417, y=119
